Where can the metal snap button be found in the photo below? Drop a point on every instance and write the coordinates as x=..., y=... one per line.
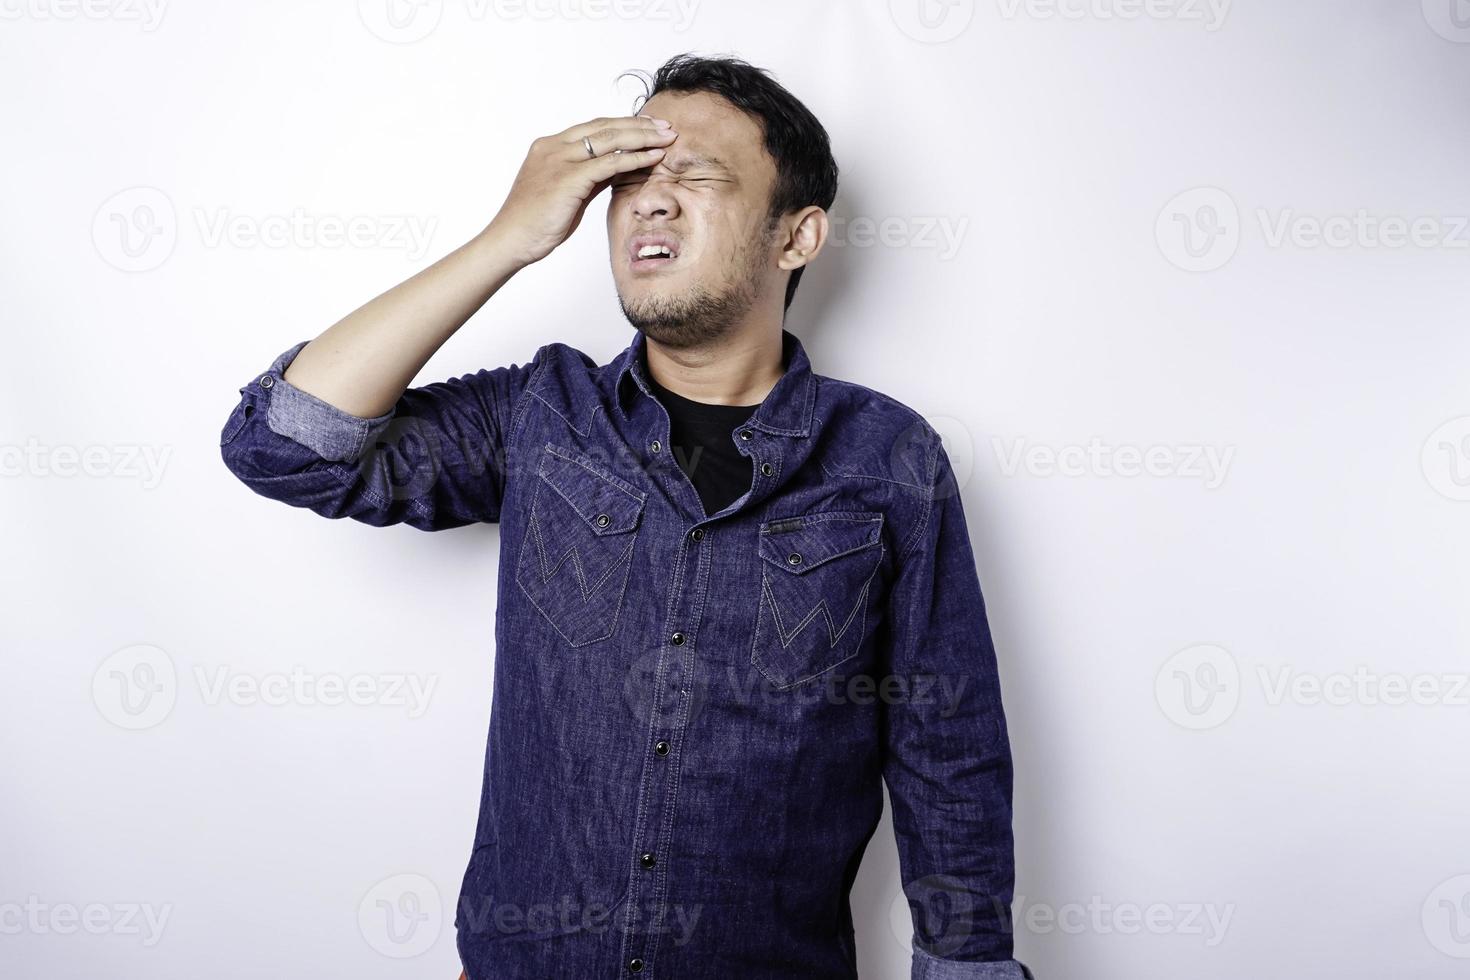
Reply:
x=646, y=860
x=661, y=747
x=603, y=520
x=656, y=446
x=766, y=469
x=266, y=381
x=635, y=965
x=793, y=559
x=677, y=639
x=747, y=435
x=697, y=534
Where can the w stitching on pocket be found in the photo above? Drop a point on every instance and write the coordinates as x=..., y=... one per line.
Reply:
x=578, y=546
x=817, y=573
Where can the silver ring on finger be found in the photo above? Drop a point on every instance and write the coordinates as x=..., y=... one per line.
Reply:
x=587, y=142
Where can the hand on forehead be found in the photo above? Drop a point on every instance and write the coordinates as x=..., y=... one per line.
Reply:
x=713, y=134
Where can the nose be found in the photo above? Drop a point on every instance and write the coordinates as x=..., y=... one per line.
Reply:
x=653, y=198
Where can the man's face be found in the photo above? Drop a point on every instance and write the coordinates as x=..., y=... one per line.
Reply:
x=707, y=199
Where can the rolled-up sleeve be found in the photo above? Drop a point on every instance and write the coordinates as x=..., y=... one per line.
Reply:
x=438, y=459
x=948, y=758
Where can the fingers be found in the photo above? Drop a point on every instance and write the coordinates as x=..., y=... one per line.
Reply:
x=613, y=142
x=593, y=127
x=605, y=166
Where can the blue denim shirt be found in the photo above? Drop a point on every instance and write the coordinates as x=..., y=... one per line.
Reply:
x=693, y=715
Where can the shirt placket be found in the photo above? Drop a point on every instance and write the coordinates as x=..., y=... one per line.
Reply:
x=669, y=712
x=674, y=685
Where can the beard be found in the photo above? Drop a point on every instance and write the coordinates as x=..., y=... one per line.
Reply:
x=699, y=316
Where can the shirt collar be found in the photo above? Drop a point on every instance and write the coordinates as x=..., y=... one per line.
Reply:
x=785, y=411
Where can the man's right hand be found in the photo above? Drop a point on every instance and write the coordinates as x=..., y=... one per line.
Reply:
x=557, y=180
x=364, y=362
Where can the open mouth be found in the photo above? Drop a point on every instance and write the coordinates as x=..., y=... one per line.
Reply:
x=652, y=255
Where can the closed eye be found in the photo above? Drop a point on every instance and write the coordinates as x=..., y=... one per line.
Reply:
x=682, y=180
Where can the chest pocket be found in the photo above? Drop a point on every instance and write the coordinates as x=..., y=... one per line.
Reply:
x=578, y=546
x=817, y=576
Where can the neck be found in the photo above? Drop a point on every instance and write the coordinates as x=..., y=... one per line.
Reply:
x=738, y=371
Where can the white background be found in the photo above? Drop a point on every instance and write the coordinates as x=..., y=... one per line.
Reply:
x=1179, y=812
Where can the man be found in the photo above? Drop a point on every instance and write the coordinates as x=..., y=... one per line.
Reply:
x=736, y=596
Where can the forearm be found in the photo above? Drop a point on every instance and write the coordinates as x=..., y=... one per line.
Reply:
x=363, y=363
x=948, y=765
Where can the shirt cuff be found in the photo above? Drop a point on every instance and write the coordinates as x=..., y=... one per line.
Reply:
x=324, y=429
x=929, y=967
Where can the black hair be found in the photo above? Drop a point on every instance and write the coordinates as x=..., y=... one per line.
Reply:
x=806, y=173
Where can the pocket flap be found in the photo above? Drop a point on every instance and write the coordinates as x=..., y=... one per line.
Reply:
x=607, y=506
x=799, y=544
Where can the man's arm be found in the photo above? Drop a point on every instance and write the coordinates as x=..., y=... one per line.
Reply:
x=332, y=425
x=439, y=458
x=948, y=760
x=363, y=363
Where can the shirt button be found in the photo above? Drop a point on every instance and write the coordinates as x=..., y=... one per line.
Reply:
x=635, y=965
x=603, y=520
x=677, y=639
x=746, y=434
x=656, y=446
x=266, y=381
x=766, y=469
x=697, y=533
x=661, y=747
x=646, y=860
x=793, y=559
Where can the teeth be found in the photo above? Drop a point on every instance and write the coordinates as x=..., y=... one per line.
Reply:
x=649, y=250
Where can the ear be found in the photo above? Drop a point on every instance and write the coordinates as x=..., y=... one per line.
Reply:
x=808, y=233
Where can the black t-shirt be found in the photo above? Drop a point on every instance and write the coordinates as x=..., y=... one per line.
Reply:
x=700, y=439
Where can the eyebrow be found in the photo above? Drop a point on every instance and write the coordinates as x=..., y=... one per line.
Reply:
x=697, y=161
